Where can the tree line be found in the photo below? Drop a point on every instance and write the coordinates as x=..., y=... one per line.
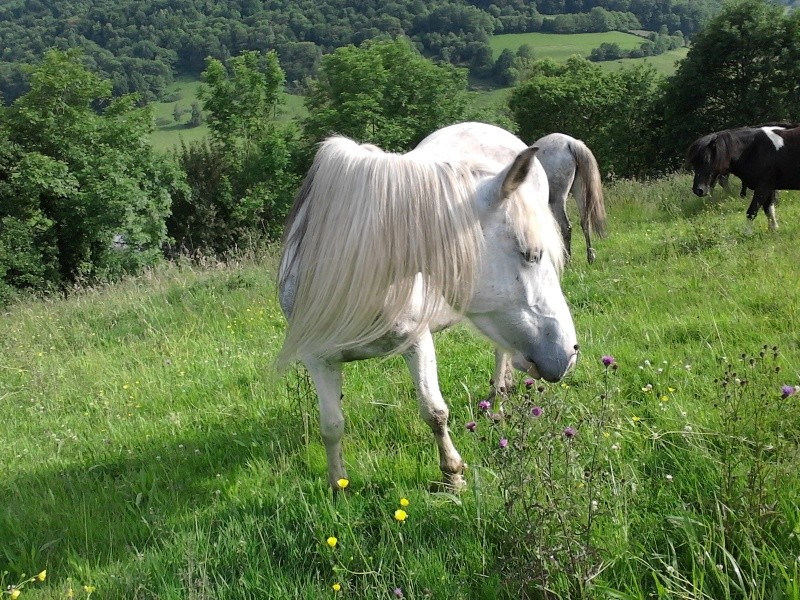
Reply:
x=140, y=45
x=85, y=198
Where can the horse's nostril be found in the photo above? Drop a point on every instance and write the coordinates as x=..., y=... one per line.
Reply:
x=699, y=192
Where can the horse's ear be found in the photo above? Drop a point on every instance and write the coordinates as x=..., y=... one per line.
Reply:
x=518, y=171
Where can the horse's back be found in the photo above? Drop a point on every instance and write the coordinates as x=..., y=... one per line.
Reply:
x=472, y=140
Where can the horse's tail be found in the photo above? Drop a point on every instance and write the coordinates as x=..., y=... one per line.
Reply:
x=593, y=215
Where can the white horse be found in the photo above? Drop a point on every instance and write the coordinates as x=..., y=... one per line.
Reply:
x=381, y=250
x=570, y=168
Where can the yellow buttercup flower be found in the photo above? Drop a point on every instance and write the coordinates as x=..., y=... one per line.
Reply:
x=400, y=515
x=332, y=541
x=41, y=576
x=404, y=502
x=336, y=587
x=342, y=483
x=88, y=589
x=14, y=594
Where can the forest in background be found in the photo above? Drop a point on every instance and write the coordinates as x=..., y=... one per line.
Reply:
x=141, y=45
x=85, y=197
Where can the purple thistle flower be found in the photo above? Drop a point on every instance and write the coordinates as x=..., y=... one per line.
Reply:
x=529, y=382
x=570, y=433
x=503, y=442
x=537, y=411
x=608, y=360
x=398, y=592
x=471, y=425
x=787, y=391
x=484, y=405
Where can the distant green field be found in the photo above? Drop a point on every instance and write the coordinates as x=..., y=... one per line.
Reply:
x=169, y=133
x=560, y=47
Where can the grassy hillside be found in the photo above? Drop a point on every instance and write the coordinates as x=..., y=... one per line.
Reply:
x=561, y=47
x=151, y=452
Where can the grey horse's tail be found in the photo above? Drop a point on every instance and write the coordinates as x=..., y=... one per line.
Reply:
x=593, y=216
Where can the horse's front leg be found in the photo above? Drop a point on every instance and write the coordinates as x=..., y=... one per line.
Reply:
x=421, y=361
x=752, y=211
x=327, y=379
x=503, y=376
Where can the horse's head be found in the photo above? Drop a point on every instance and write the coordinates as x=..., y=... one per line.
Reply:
x=701, y=159
x=709, y=157
x=518, y=302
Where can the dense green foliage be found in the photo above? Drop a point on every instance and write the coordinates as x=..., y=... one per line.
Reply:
x=99, y=202
x=743, y=69
x=82, y=194
x=242, y=181
x=384, y=93
x=610, y=112
x=141, y=44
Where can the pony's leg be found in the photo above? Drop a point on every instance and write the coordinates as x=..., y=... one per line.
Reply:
x=752, y=211
x=558, y=206
x=421, y=361
x=327, y=379
x=579, y=193
x=503, y=377
x=590, y=253
x=769, y=210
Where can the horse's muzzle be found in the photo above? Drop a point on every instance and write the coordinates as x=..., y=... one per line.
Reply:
x=699, y=191
x=551, y=370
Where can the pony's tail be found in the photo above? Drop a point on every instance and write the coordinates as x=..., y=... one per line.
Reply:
x=593, y=216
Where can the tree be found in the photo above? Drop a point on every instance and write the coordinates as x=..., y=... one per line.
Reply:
x=611, y=112
x=242, y=182
x=742, y=69
x=385, y=93
x=197, y=115
x=74, y=180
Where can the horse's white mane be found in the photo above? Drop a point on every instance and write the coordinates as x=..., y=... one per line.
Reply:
x=365, y=224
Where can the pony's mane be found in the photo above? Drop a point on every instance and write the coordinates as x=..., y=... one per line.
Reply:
x=698, y=147
x=364, y=224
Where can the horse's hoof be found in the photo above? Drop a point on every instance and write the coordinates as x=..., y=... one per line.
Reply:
x=452, y=483
x=590, y=255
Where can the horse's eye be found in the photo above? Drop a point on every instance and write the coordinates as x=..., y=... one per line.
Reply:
x=531, y=256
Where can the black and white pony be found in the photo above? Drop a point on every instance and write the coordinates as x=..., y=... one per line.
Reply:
x=764, y=158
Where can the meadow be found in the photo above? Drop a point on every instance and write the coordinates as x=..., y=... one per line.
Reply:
x=560, y=47
x=150, y=450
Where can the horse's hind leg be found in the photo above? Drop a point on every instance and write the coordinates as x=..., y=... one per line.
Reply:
x=558, y=206
x=421, y=361
x=327, y=379
x=769, y=209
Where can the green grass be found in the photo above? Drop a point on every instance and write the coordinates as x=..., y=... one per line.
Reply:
x=560, y=47
x=150, y=451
